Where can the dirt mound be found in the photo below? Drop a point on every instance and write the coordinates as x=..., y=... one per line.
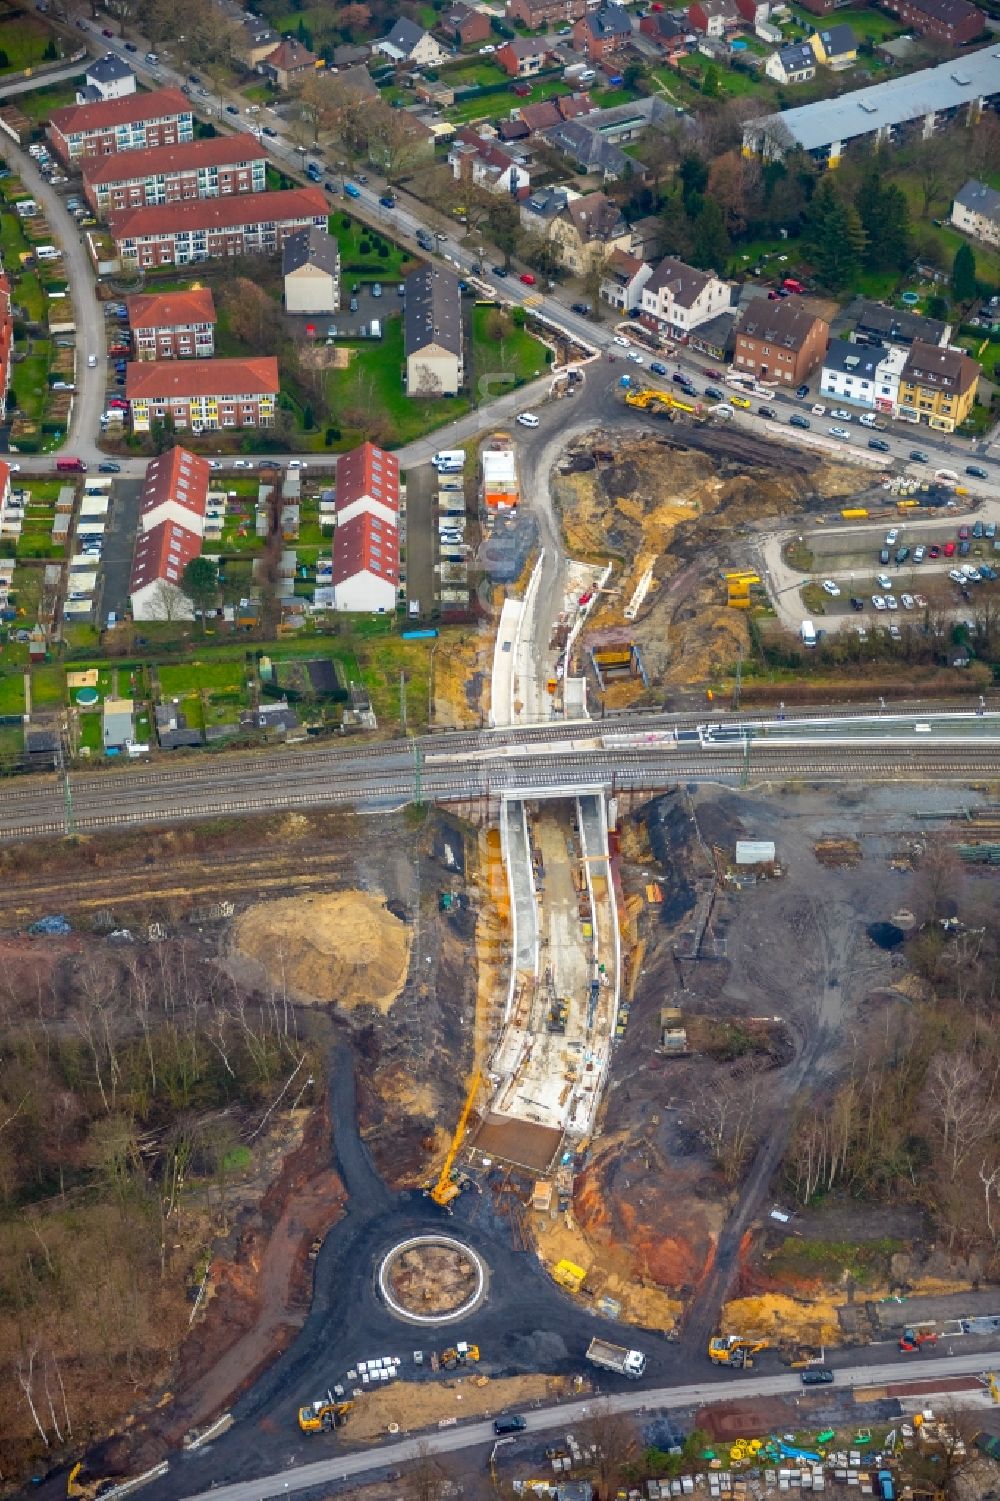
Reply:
x=342, y=946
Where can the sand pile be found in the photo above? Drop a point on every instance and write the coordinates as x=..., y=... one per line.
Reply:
x=343, y=947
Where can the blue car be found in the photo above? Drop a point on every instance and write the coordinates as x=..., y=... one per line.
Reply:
x=657, y=368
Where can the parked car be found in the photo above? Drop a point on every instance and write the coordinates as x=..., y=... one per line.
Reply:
x=802, y=391
x=977, y=471
x=878, y=444
x=948, y=550
x=857, y=604
x=232, y=109
x=109, y=468
x=892, y=536
x=527, y=278
x=714, y=393
x=878, y=601
x=797, y=420
x=918, y=456
x=919, y=553
x=839, y=432
x=657, y=367
x=832, y=588
x=527, y=419
x=767, y=412
x=840, y=414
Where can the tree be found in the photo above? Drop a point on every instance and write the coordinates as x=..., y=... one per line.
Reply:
x=963, y=274
x=168, y=603
x=613, y=1438
x=834, y=236
x=200, y=582
x=710, y=244
x=710, y=82
x=885, y=218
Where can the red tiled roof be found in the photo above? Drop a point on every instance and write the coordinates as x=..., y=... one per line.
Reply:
x=180, y=476
x=162, y=553
x=4, y=477
x=186, y=156
x=368, y=473
x=129, y=110
x=171, y=309
x=365, y=544
x=289, y=56
x=169, y=379
x=289, y=204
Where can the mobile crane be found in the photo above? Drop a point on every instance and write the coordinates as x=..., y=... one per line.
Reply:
x=444, y=1190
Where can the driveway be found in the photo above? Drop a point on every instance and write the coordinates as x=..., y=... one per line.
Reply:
x=87, y=407
x=119, y=540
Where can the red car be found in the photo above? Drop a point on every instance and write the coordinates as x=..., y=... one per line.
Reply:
x=934, y=551
x=963, y=534
x=709, y=372
x=949, y=549
x=522, y=90
x=527, y=278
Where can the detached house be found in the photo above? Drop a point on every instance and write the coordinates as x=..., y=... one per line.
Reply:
x=310, y=265
x=836, y=47
x=288, y=63
x=667, y=32
x=524, y=56
x=409, y=43
x=714, y=18
x=677, y=298
x=108, y=77
x=480, y=160
x=795, y=63
x=603, y=31
x=255, y=40
x=464, y=26
x=976, y=212
x=623, y=279
x=587, y=231
x=432, y=333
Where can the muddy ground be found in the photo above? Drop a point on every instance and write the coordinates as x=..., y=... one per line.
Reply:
x=787, y=984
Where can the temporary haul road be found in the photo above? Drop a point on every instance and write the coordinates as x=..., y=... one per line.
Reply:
x=632, y=752
x=448, y=1440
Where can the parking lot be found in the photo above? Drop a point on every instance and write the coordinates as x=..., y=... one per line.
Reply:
x=359, y=307
x=119, y=538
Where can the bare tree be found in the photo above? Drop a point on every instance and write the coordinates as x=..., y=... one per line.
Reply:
x=613, y=1439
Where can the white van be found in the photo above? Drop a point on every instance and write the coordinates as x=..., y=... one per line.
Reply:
x=449, y=461
x=808, y=633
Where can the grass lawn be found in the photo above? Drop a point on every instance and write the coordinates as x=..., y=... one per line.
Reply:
x=202, y=676
x=48, y=686
x=518, y=352
x=38, y=104
x=11, y=744
x=472, y=74
x=258, y=93
x=367, y=264
x=372, y=384
x=24, y=42
x=90, y=733
x=30, y=381
x=609, y=98
x=27, y=591
x=27, y=294
x=986, y=351
x=12, y=692
x=732, y=84
x=871, y=25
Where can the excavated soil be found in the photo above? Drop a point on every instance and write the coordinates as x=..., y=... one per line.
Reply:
x=432, y=1279
x=343, y=947
x=411, y=1406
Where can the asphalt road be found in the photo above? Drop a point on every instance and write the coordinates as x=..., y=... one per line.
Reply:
x=304, y=1477
x=632, y=751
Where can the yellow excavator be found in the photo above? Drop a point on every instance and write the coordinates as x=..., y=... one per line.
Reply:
x=444, y=1190
x=460, y=1354
x=657, y=403
x=734, y=1349
x=82, y=1487
x=323, y=1417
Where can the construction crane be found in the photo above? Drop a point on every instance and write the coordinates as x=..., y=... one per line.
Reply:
x=734, y=1349
x=324, y=1416
x=445, y=1189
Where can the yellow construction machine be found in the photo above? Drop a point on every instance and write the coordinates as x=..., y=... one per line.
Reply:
x=323, y=1416
x=445, y=1189
x=658, y=403
x=460, y=1354
x=734, y=1349
x=82, y=1487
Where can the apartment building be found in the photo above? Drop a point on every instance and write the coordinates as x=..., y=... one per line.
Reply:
x=183, y=234
x=433, y=335
x=780, y=341
x=938, y=386
x=864, y=375
x=953, y=22
x=213, y=167
x=537, y=13
x=171, y=531
x=366, y=541
x=204, y=395
x=132, y=123
x=678, y=297
x=172, y=325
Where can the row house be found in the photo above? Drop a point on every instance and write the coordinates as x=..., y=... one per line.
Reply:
x=864, y=375
x=953, y=22
x=172, y=325
x=183, y=234
x=6, y=342
x=133, y=123
x=538, y=13
x=938, y=386
x=366, y=540
x=677, y=298
x=524, y=56
x=204, y=395
x=209, y=168
x=622, y=280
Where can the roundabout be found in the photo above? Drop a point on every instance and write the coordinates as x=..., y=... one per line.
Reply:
x=432, y=1279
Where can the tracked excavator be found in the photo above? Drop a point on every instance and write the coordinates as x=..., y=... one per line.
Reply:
x=444, y=1190
x=80, y=1486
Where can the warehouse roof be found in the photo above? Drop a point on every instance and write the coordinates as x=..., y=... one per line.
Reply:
x=812, y=126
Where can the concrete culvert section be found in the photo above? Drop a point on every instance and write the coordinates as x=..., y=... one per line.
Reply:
x=343, y=947
x=432, y=1279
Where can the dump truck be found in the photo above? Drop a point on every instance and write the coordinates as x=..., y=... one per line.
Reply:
x=617, y=1358
x=323, y=1416
x=734, y=1349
